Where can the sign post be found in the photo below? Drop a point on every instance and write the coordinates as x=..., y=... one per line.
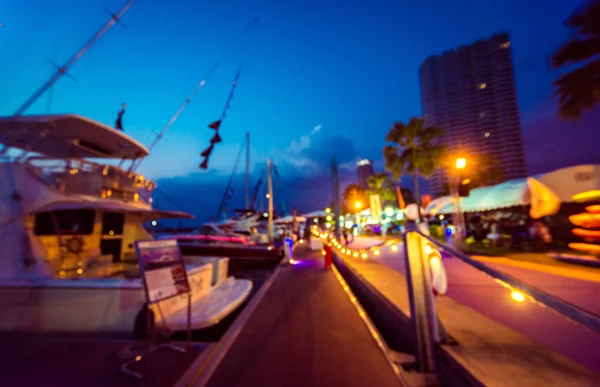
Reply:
x=164, y=276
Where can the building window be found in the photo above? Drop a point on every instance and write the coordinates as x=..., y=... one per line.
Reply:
x=487, y=134
x=505, y=45
x=482, y=114
x=482, y=86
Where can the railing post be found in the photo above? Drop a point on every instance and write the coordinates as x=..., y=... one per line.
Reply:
x=422, y=308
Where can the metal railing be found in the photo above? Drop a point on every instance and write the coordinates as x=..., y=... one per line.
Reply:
x=422, y=305
x=88, y=178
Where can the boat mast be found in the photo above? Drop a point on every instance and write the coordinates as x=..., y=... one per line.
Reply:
x=62, y=70
x=270, y=194
x=248, y=170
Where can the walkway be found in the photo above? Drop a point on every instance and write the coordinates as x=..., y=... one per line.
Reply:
x=304, y=332
x=481, y=321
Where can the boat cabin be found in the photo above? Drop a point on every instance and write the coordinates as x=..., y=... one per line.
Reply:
x=62, y=211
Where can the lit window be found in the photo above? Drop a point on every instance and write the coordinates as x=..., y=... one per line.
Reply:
x=487, y=134
x=482, y=114
x=505, y=45
x=482, y=86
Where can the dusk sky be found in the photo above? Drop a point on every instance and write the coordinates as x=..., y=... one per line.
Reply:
x=318, y=78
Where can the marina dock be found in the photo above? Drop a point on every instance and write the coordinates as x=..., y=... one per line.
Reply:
x=304, y=332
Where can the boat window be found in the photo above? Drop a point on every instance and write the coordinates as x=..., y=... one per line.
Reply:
x=68, y=222
x=112, y=223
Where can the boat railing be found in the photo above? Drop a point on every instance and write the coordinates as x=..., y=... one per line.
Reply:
x=85, y=177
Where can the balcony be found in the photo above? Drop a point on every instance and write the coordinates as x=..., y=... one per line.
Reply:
x=83, y=177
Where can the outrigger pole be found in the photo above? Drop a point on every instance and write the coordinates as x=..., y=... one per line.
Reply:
x=62, y=70
x=135, y=165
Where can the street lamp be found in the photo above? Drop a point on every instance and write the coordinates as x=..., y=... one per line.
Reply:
x=461, y=163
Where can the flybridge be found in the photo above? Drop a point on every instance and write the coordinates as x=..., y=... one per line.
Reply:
x=68, y=136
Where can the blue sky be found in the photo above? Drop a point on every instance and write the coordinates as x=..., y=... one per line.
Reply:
x=318, y=79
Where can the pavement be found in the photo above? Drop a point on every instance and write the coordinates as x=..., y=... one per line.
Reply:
x=304, y=332
x=480, y=292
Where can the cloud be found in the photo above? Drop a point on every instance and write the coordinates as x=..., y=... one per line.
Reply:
x=314, y=151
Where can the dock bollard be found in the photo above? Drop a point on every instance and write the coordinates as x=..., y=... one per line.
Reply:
x=328, y=255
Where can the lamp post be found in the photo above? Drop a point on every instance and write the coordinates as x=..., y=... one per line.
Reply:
x=459, y=165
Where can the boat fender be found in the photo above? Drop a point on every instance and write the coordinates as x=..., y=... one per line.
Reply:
x=74, y=245
x=144, y=323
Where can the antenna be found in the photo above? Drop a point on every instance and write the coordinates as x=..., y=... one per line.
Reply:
x=62, y=70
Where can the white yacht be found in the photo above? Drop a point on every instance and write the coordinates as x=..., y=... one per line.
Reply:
x=67, y=230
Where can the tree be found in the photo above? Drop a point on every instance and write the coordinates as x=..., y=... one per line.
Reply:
x=354, y=193
x=579, y=89
x=415, y=151
x=380, y=184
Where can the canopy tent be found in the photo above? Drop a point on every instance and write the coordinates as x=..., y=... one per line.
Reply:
x=570, y=181
x=543, y=192
x=436, y=204
x=521, y=192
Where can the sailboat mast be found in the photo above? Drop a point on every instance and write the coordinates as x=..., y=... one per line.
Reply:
x=248, y=170
x=65, y=68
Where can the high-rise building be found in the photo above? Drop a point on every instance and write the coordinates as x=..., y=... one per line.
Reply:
x=470, y=93
x=364, y=169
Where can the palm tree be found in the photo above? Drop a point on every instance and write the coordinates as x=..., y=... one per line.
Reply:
x=380, y=184
x=579, y=89
x=354, y=193
x=415, y=151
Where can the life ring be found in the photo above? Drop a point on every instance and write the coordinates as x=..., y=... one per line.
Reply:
x=74, y=245
x=439, y=279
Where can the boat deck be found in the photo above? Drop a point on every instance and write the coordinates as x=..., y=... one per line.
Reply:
x=304, y=332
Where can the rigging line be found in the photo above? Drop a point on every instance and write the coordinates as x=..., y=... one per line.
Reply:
x=170, y=200
x=134, y=165
x=230, y=179
x=65, y=68
x=256, y=188
x=174, y=117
